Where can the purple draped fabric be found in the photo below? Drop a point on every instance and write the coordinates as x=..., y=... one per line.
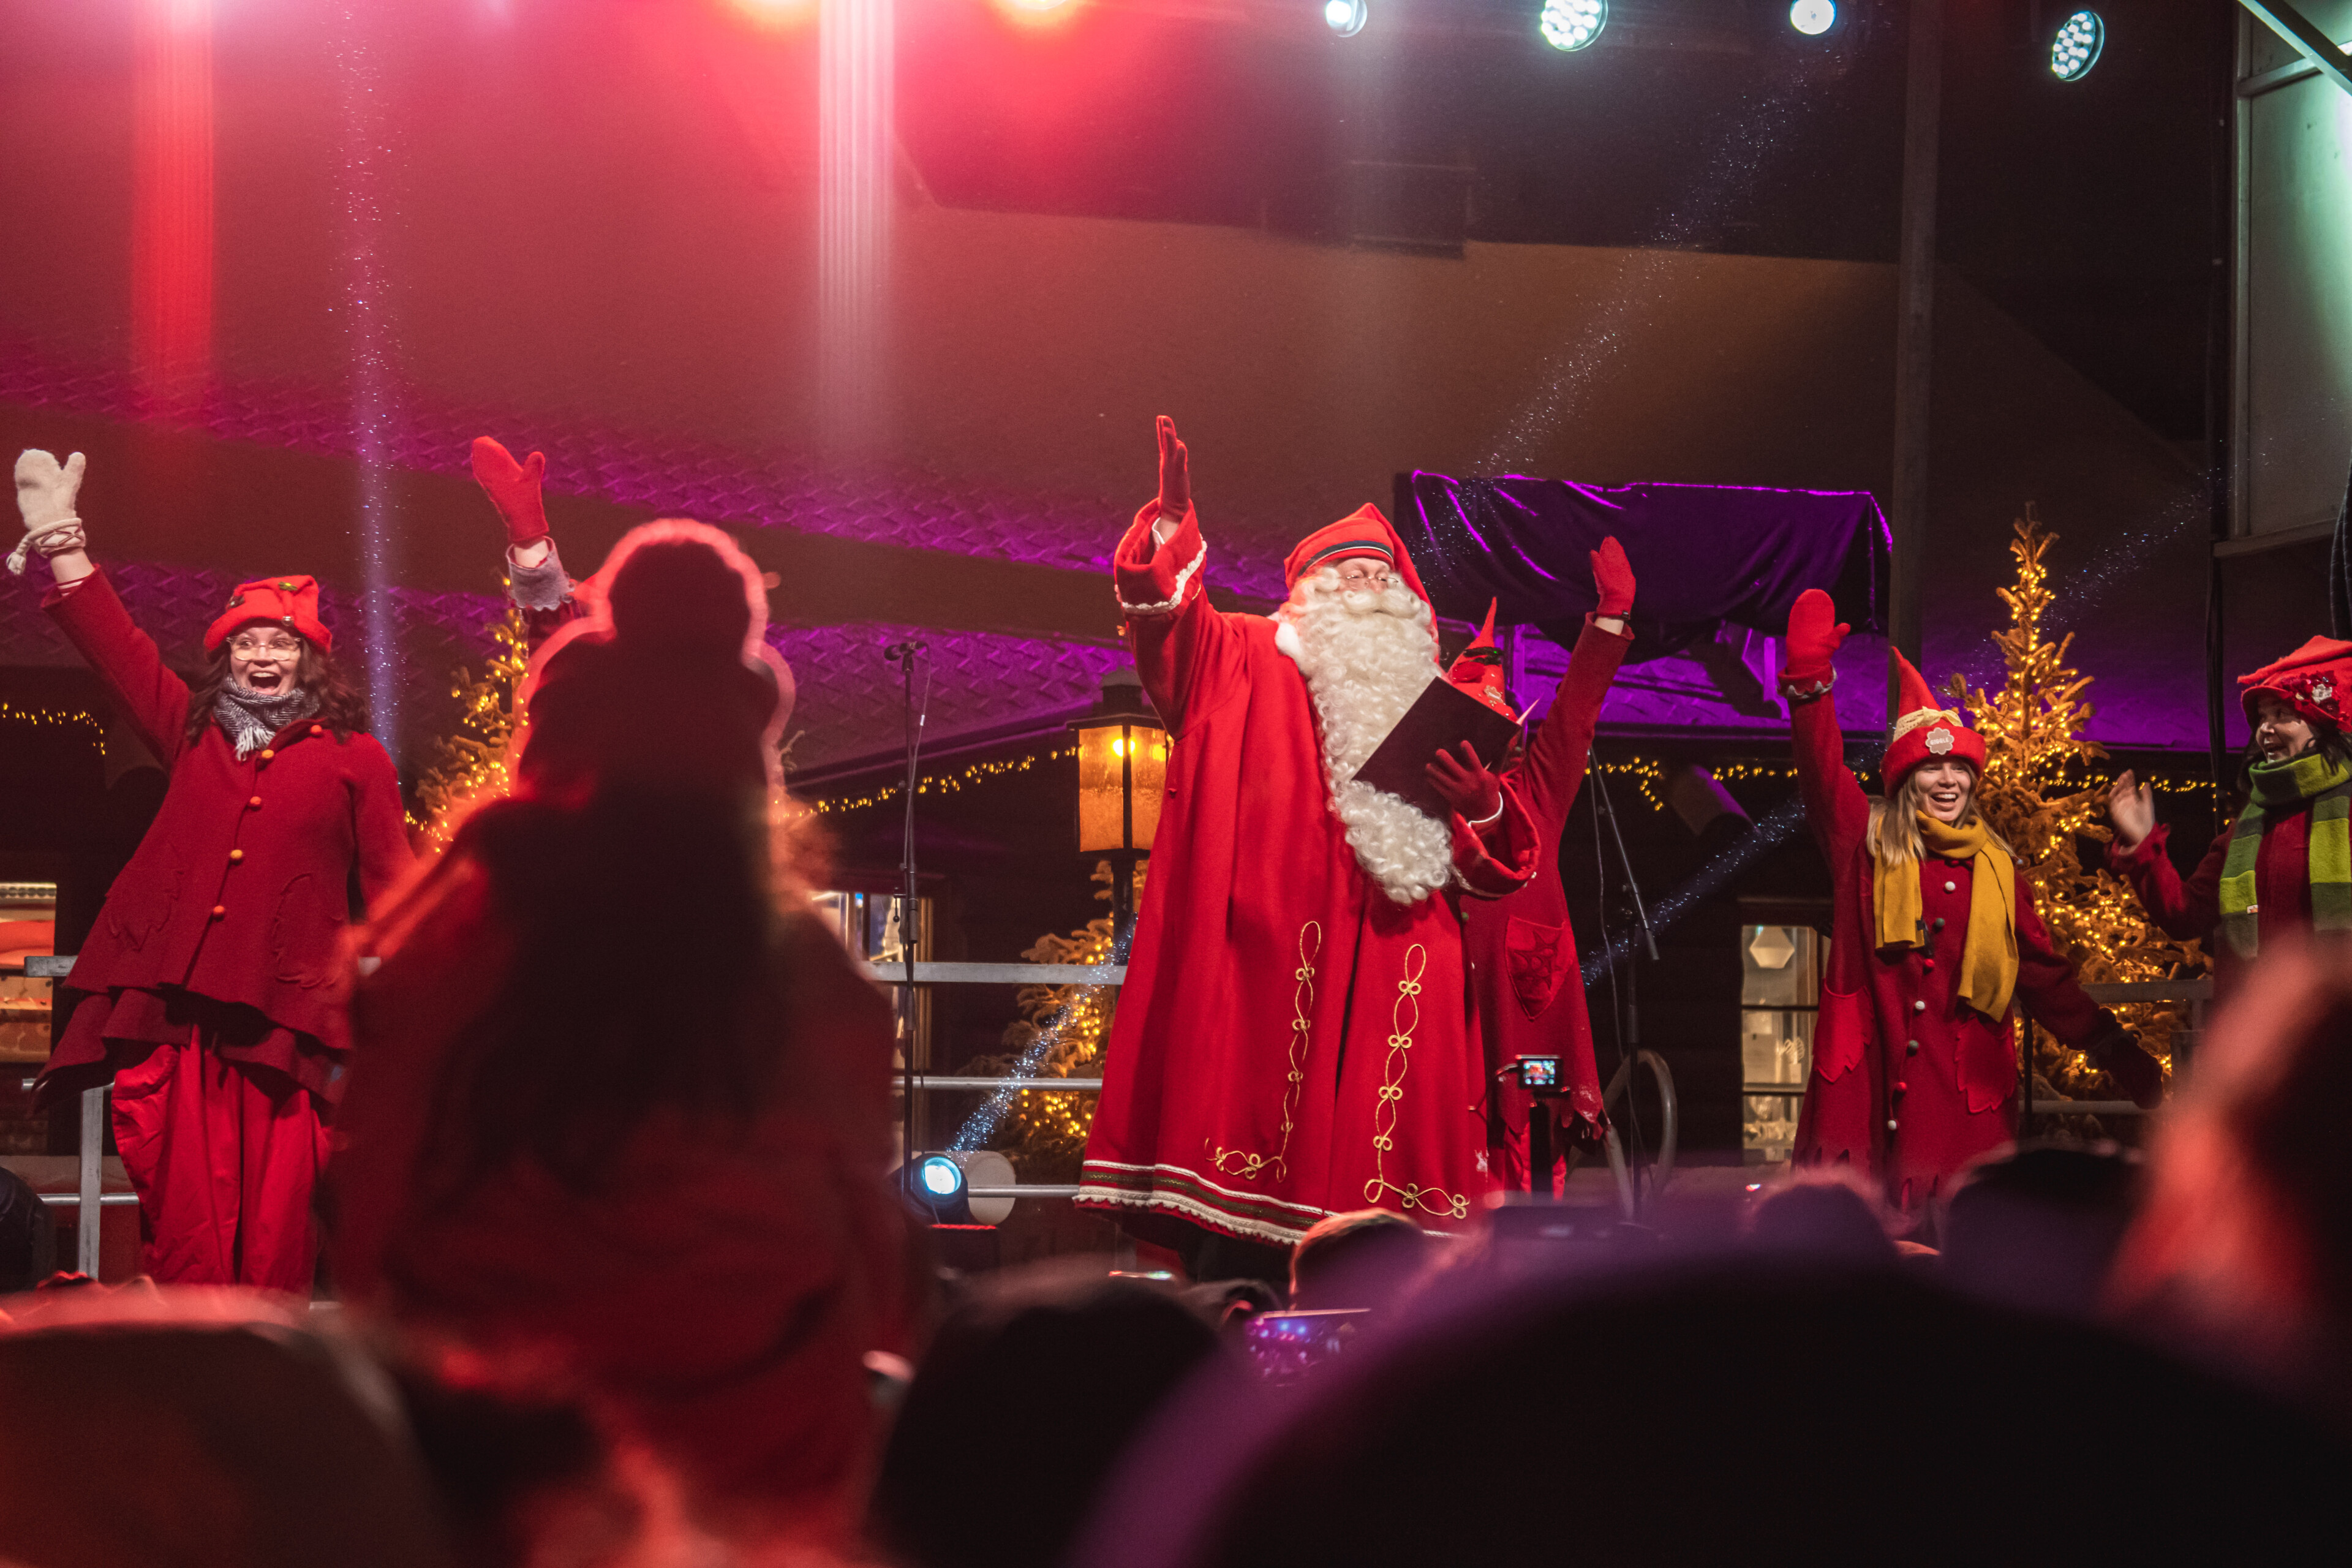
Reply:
x=1702, y=554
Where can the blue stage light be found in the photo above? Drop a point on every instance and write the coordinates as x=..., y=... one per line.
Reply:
x=1572, y=25
x=1347, y=17
x=939, y=1177
x=2076, y=48
x=1813, y=17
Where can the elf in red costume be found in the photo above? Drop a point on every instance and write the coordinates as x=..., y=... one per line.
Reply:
x=653, y=1178
x=1521, y=949
x=1293, y=1039
x=2285, y=865
x=212, y=976
x=1914, y=1055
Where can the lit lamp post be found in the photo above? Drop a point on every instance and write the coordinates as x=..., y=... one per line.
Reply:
x=1122, y=774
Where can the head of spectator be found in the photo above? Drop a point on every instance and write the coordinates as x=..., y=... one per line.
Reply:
x=1365, y=1257
x=1823, y=1214
x=667, y=681
x=1440, y=1442
x=2038, y=1229
x=1056, y=1365
x=28, y=1245
x=2245, y=1239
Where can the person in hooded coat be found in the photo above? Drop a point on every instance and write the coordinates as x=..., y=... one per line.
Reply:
x=1935, y=937
x=622, y=1129
x=210, y=986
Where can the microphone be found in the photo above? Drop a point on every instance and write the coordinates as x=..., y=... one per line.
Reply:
x=899, y=651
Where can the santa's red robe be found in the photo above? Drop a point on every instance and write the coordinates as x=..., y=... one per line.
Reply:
x=1522, y=949
x=1909, y=1083
x=1290, y=1042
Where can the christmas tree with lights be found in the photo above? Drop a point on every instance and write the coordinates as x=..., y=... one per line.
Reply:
x=473, y=764
x=1061, y=1032
x=2040, y=792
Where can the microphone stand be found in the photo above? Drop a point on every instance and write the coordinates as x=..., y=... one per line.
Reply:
x=1629, y=1035
x=903, y=655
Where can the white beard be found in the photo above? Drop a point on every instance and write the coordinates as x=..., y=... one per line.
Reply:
x=1366, y=656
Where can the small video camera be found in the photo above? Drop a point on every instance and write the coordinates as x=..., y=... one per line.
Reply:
x=1537, y=1075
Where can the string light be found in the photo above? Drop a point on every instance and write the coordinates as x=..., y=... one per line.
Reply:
x=51, y=718
x=953, y=783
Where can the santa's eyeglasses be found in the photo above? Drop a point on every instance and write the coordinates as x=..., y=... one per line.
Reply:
x=1364, y=574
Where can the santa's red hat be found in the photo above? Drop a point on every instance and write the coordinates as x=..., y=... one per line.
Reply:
x=2311, y=680
x=1478, y=669
x=1925, y=730
x=1363, y=533
x=289, y=602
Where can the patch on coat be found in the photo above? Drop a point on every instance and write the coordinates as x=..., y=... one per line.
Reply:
x=1536, y=963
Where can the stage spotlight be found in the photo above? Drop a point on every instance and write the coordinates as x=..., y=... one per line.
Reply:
x=936, y=1182
x=2078, y=47
x=1037, y=13
x=1347, y=17
x=1572, y=24
x=774, y=13
x=1813, y=17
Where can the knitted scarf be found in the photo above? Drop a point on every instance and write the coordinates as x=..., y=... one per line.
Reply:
x=250, y=718
x=1988, y=956
x=2282, y=788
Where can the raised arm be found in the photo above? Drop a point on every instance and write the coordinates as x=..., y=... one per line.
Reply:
x=151, y=699
x=1836, y=808
x=1188, y=653
x=536, y=580
x=2186, y=912
x=1553, y=772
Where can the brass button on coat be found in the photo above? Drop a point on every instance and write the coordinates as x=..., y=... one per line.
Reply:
x=219, y=910
x=234, y=855
x=267, y=754
x=254, y=805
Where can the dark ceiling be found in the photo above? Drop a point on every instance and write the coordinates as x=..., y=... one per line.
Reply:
x=2087, y=209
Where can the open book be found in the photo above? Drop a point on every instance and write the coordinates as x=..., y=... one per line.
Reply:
x=1441, y=718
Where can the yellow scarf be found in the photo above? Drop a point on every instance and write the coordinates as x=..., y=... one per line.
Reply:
x=1988, y=959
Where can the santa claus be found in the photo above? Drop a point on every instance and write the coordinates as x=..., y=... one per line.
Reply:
x=1293, y=1037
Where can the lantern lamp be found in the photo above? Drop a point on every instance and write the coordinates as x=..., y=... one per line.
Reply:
x=1122, y=776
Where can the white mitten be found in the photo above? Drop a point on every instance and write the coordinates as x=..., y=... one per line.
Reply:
x=44, y=495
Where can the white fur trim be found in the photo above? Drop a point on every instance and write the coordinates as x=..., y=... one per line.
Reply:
x=1285, y=642
x=1176, y=600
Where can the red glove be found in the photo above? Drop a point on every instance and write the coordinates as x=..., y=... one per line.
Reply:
x=1815, y=635
x=513, y=488
x=2124, y=1060
x=1476, y=795
x=1175, y=473
x=1612, y=574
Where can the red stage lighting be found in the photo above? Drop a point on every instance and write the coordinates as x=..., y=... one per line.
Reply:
x=775, y=14
x=1039, y=13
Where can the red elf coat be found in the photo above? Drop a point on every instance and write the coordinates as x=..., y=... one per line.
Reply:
x=1908, y=1083
x=2192, y=910
x=239, y=893
x=1521, y=948
x=1290, y=1042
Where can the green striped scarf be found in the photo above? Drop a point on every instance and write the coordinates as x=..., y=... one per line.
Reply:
x=2328, y=785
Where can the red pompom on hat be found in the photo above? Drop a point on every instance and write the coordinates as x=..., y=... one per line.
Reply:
x=2311, y=680
x=1924, y=731
x=1363, y=532
x=1478, y=669
x=289, y=602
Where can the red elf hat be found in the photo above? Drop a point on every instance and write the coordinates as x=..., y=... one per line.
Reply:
x=1478, y=669
x=2311, y=680
x=289, y=602
x=1363, y=532
x=1925, y=730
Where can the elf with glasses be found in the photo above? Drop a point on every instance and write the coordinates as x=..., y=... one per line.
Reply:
x=210, y=987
